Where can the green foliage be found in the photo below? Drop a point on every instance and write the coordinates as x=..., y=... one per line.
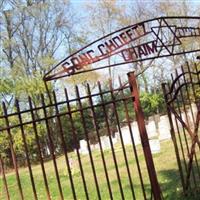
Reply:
x=78, y=125
x=152, y=103
x=29, y=86
x=4, y=144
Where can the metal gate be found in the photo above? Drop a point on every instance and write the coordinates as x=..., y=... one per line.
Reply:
x=100, y=170
x=182, y=98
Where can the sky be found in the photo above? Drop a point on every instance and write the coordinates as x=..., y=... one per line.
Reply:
x=79, y=7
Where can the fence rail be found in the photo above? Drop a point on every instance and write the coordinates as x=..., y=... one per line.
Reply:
x=182, y=98
x=63, y=132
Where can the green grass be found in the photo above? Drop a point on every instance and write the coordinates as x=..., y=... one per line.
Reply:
x=165, y=162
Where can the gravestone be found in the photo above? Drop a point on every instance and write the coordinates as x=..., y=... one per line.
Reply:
x=46, y=151
x=94, y=146
x=83, y=147
x=151, y=129
x=126, y=135
x=105, y=142
x=136, y=134
x=117, y=136
x=164, y=128
x=97, y=146
x=155, y=146
x=114, y=139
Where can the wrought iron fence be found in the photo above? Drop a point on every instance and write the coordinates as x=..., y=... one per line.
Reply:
x=55, y=130
x=182, y=98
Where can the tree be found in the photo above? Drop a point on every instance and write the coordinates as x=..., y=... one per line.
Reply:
x=105, y=18
x=32, y=32
x=32, y=36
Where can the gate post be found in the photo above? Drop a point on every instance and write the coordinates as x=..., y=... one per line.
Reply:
x=144, y=138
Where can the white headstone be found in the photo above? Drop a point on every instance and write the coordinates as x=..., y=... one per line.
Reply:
x=135, y=132
x=92, y=147
x=114, y=140
x=105, y=142
x=48, y=150
x=96, y=146
x=151, y=129
x=117, y=136
x=126, y=135
x=83, y=147
x=155, y=146
x=164, y=128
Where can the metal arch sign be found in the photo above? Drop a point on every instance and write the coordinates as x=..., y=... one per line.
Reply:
x=151, y=39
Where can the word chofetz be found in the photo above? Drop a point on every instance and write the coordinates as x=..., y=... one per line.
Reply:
x=105, y=49
x=113, y=46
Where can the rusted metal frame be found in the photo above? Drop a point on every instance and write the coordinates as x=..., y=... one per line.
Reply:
x=122, y=142
x=174, y=33
x=185, y=111
x=161, y=47
x=157, y=35
x=75, y=139
x=188, y=36
x=61, y=102
x=155, y=19
x=172, y=131
x=191, y=157
x=110, y=139
x=182, y=122
x=99, y=140
x=88, y=144
x=197, y=101
x=118, y=64
x=185, y=127
x=195, y=138
x=178, y=116
x=144, y=138
x=185, y=81
x=172, y=106
x=179, y=137
x=192, y=152
x=48, y=92
x=187, y=91
x=132, y=140
x=192, y=83
x=39, y=149
x=60, y=114
x=14, y=159
x=4, y=178
x=97, y=41
x=64, y=147
x=98, y=58
x=188, y=96
x=52, y=149
x=173, y=98
x=26, y=150
x=198, y=74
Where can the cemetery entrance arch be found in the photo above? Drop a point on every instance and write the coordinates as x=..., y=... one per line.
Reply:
x=152, y=39
x=156, y=38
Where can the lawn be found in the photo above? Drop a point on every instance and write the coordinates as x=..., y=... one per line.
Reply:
x=165, y=163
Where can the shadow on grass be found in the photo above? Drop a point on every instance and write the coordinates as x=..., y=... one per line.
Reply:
x=172, y=189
